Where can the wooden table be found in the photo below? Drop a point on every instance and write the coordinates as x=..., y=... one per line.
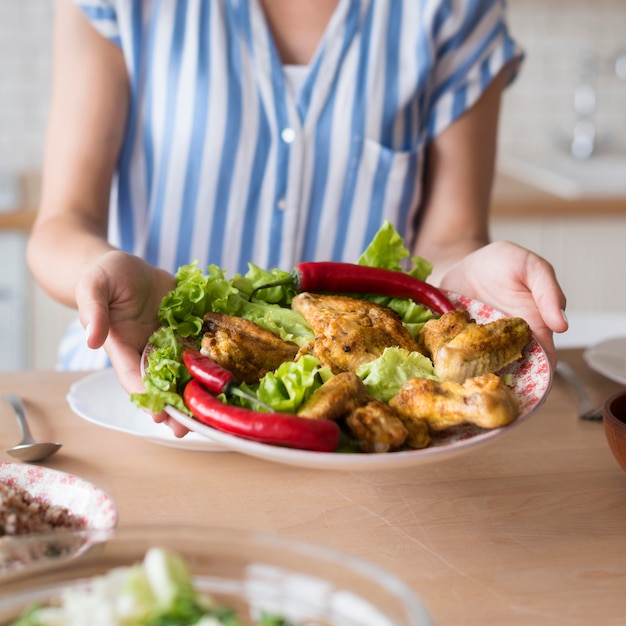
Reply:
x=529, y=529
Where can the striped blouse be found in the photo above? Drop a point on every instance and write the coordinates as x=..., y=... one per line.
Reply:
x=228, y=160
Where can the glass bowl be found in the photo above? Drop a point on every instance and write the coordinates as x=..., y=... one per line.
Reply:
x=248, y=571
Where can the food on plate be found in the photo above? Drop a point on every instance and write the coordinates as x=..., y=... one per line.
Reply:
x=482, y=400
x=381, y=373
x=242, y=347
x=349, y=332
x=22, y=514
x=460, y=348
x=273, y=428
x=372, y=423
x=363, y=279
x=159, y=590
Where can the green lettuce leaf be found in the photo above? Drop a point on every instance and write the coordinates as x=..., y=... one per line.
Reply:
x=387, y=250
x=384, y=376
x=289, y=386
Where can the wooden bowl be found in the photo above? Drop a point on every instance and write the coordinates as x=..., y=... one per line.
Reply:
x=614, y=414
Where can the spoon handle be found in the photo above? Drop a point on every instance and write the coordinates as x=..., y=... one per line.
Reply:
x=18, y=408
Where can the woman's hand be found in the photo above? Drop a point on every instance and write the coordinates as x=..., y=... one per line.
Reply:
x=515, y=281
x=118, y=299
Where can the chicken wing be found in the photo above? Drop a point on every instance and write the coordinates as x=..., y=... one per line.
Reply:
x=349, y=331
x=377, y=427
x=484, y=400
x=243, y=347
x=336, y=398
x=460, y=348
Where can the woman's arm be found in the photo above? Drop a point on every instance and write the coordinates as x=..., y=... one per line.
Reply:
x=454, y=233
x=459, y=174
x=84, y=136
x=117, y=294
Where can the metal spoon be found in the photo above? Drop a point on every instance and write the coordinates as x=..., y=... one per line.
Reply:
x=28, y=449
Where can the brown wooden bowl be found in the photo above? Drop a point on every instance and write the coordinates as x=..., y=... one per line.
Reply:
x=614, y=414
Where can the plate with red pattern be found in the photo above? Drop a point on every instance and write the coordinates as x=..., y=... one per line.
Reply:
x=88, y=506
x=530, y=381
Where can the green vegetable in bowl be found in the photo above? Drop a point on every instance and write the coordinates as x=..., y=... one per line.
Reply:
x=156, y=592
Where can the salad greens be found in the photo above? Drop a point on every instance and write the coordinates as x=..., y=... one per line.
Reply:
x=159, y=591
x=181, y=315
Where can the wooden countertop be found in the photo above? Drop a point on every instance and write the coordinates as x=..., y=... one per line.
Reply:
x=529, y=529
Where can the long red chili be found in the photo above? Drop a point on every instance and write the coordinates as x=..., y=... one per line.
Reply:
x=271, y=428
x=352, y=278
x=337, y=277
x=213, y=376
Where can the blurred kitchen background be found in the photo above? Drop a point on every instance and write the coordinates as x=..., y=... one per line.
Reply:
x=569, y=98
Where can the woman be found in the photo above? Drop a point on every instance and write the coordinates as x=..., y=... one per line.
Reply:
x=271, y=131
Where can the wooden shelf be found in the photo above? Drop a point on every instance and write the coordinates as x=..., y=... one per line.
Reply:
x=21, y=219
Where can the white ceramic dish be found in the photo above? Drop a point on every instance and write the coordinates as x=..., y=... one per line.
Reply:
x=81, y=498
x=532, y=378
x=608, y=358
x=100, y=399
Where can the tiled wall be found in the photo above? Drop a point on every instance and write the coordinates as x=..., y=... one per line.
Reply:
x=538, y=109
x=559, y=37
x=25, y=67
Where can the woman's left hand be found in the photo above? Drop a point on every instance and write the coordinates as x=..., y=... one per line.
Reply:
x=517, y=282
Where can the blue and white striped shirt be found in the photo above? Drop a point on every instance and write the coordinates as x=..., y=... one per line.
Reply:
x=224, y=163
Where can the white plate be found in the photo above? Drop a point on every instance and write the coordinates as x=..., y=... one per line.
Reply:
x=100, y=399
x=81, y=498
x=608, y=358
x=532, y=378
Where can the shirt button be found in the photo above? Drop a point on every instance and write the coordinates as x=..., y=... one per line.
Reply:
x=288, y=135
x=281, y=204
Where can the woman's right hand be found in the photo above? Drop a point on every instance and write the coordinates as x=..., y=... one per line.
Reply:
x=118, y=298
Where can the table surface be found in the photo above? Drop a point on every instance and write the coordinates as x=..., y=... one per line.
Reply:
x=528, y=529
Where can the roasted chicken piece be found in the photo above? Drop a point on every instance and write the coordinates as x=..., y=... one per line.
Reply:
x=484, y=400
x=243, y=347
x=460, y=348
x=377, y=427
x=374, y=424
x=336, y=398
x=349, y=331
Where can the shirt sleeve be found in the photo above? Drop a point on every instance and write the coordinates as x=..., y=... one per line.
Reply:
x=103, y=16
x=471, y=45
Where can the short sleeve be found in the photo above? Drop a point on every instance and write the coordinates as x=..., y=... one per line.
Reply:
x=103, y=16
x=471, y=45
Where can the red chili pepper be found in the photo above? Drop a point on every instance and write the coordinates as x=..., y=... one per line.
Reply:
x=271, y=428
x=337, y=277
x=216, y=378
x=213, y=376
x=350, y=277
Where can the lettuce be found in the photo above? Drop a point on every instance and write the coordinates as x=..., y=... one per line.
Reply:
x=288, y=387
x=387, y=250
x=384, y=376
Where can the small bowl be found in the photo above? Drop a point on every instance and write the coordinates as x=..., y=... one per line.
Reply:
x=246, y=570
x=614, y=415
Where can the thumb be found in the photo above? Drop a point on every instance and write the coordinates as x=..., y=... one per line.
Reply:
x=92, y=301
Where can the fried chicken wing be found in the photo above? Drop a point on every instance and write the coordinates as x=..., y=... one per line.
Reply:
x=483, y=400
x=243, y=347
x=349, y=331
x=377, y=427
x=460, y=348
x=336, y=398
